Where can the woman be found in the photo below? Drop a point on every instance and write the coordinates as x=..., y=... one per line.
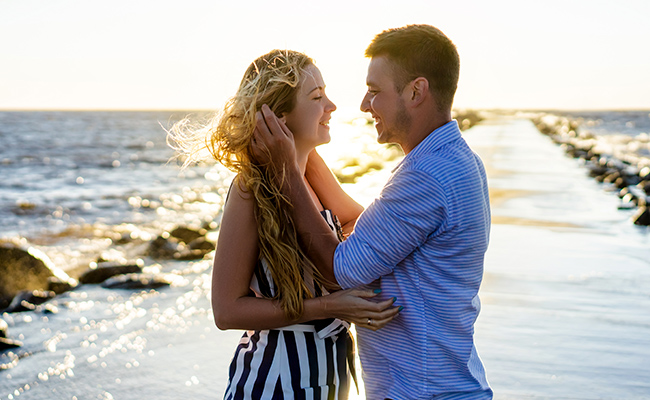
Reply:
x=297, y=343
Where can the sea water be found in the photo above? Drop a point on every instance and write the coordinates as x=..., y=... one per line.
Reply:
x=70, y=180
x=71, y=185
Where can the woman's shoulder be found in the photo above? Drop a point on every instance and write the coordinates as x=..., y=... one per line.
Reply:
x=239, y=196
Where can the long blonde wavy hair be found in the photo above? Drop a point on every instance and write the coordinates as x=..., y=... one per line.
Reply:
x=272, y=79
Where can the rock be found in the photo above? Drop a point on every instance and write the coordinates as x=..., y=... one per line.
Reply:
x=7, y=344
x=3, y=328
x=136, y=281
x=163, y=247
x=25, y=270
x=107, y=270
x=597, y=170
x=28, y=300
x=187, y=235
x=59, y=286
x=646, y=187
x=202, y=244
x=642, y=217
x=190, y=254
x=171, y=248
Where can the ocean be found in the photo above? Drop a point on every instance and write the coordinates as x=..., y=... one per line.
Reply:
x=73, y=183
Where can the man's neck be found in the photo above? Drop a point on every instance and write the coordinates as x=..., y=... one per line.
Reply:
x=419, y=132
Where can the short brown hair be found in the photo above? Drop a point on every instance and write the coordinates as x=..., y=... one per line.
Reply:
x=420, y=51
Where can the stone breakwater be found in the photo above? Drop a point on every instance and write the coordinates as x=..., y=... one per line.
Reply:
x=609, y=162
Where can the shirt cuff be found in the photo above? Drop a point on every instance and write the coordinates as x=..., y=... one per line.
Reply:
x=340, y=272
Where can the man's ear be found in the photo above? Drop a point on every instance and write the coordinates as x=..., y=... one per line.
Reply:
x=419, y=88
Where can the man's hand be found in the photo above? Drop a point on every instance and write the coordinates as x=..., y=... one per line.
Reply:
x=273, y=144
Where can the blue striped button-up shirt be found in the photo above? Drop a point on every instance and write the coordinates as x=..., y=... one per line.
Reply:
x=425, y=239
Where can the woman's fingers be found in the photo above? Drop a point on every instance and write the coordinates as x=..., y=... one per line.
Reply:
x=378, y=321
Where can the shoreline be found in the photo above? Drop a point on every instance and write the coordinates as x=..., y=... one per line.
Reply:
x=565, y=296
x=566, y=285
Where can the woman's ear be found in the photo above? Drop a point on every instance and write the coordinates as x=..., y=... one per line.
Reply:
x=283, y=118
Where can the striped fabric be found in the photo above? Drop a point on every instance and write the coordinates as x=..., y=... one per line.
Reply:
x=423, y=240
x=312, y=360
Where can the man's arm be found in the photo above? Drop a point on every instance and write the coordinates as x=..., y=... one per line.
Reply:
x=273, y=147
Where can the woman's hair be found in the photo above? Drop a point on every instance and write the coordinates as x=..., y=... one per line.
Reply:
x=272, y=79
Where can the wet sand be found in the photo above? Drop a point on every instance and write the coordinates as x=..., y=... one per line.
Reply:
x=566, y=292
x=566, y=300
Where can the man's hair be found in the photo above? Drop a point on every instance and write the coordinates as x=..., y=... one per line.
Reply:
x=420, y=51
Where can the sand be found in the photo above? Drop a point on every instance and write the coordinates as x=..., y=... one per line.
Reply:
x=566, y=291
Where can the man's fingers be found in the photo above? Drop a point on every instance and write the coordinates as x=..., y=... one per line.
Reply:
x=272, y=121
x=261, y=127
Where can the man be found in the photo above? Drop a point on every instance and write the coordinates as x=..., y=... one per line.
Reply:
x=424, y=238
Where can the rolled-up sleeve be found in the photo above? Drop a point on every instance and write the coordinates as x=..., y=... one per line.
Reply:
x=411, y=207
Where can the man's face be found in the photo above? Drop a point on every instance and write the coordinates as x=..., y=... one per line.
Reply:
x=384, y=103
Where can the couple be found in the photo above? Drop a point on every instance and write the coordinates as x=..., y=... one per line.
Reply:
x=297, y=260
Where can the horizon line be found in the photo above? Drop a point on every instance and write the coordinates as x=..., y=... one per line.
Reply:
x=199, y=109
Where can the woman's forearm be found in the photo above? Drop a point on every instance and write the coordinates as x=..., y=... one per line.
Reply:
x=329, y=190
x=253, y=313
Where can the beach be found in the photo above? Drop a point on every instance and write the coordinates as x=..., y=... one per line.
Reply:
x=566, y=290
x=565, y=297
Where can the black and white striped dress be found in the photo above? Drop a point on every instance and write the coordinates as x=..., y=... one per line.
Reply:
x=312, y=360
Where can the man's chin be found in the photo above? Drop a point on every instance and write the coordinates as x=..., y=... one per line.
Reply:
x=381, y=138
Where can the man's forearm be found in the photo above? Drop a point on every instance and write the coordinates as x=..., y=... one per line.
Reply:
x=313, y=232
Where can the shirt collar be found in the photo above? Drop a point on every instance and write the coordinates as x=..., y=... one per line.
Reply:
x=436, y=139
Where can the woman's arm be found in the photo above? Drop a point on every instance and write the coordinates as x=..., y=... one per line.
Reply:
x=330, y=193
x=235, y=259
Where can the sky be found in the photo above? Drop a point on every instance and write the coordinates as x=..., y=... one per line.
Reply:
x=191, y=54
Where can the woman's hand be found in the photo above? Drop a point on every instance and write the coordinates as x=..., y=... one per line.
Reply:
x=353, y=305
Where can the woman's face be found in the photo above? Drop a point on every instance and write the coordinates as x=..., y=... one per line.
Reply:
x=309, y=120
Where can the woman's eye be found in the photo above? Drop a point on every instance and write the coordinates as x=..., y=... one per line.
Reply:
x=318, y=98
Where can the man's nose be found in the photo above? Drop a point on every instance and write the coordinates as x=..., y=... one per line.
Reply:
x=365, y=103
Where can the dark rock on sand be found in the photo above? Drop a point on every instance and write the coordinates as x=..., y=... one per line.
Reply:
x=167, y=246
x=642, y=216
x=24, y=270
x=646, y=187
x=187, y=235
x=107, y=270
x=202, y=244
x=163, y=247
x=8, y=344
x=58, y=285
x=136, y=281
x=3, y=328
x=28, y=300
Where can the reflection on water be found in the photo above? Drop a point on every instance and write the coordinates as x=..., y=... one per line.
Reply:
x=87, y=186
x=82, y=187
